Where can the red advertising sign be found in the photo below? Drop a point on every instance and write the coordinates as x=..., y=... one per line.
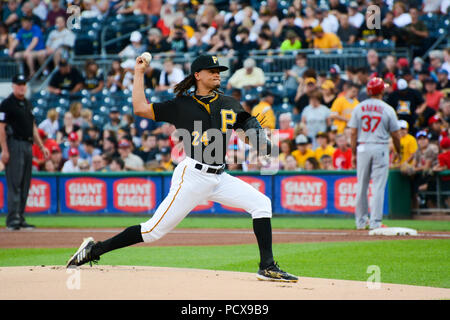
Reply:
x=134, y=194
x=345, y=194
x=256, y=183
x=304, y=193
x=85, y=194
x=38, y=196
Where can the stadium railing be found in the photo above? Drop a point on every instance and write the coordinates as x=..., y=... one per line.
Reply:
x=436, y=199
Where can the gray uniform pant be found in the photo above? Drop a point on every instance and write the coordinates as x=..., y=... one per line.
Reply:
x=18, y=179
x=372, y=163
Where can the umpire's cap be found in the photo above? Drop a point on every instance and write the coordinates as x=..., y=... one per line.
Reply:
x=206, y=62
x=19, y=79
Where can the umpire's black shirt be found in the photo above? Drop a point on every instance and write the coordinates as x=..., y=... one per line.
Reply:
x=19, y=117
x=197, y=115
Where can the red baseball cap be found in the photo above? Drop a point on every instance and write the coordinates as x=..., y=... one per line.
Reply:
x=445, y=143
x=433, y=119
x=42, y=133
x=124, y=143
x=55, y=148
x=402, y=62
x=73, y=136
x=73, y=152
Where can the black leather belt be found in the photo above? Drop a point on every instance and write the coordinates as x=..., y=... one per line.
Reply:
x=30, y=140
x=210, y=170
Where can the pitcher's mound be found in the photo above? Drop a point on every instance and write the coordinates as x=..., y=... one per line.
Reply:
x=127, y=282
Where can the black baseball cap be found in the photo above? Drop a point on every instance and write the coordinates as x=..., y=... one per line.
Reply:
x=206, y=62
x=19, y=79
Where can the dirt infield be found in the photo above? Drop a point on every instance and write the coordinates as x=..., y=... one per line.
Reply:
x=188, y=284
x=68, y=238
x=153, y=283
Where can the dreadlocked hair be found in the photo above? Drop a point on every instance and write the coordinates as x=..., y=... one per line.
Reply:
x=183, y=87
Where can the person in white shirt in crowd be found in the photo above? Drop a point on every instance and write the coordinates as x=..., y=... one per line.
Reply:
x=51, y=124
x=248, y=76
x=355, y=18
x=446, y=64
x=328, y=21
x=40, y=9
x=90, y=9
x=72, y=164
x=135, y=48
x=59, y=40
x=402, y=17
x=170, y=76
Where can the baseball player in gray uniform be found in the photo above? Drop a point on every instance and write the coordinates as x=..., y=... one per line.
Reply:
x=372, y=123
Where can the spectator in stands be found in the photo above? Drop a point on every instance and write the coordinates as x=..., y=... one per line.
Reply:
x=446, y=64
x=390, y=66
x=303, y=152
x=305, y=88
x=325, y=40
x=250, y=76
x=93, y=77
x=73, y=143
x=68, y=127
x=48, y=166
x=389, y=30
x=40, y=9
x=294, y=75
x=243, y=46
x=50, y=124
x=59, y=41
x=342, y=107
x=355, y=18
x=446, y=110
x=135, y=48
x=151, y=77
x=435, y=126
x=328, y=93
x=148, y=151
x=323, y=146
x=156, y=42
x=114, y=122
x=433, y=97
x=178, y=39
x=115, y=78
x=309, y=20
x=337, y=7
x=290, y=164
x=444, y=164
x=443, y=82
x=30, y=41
x=312, y=164
x=327, y=20
x=375, y=66
x=132, y=161
x=27, y=11
x=436, y=61
x=117, y=165
x=11, y=15
x=57, y=158
x=346, y=32
x=315, y=117
x=415, y=34
x=55, y=12
x=66, y=80
x=86, y=119
x=38, y=155
x=170, y=76
x=285, y=151
x=165, y=162
x=97, y=164
x=402, y=17
x=5, y=40
x=89, y=150
x=326, y=162
x=288, y=24
x=408, y=145
x=72, y=164
x=286, y=129
x=75, y=109
x=266, y=17
x=263, y=110
x=342, y=156
x=291, y=43
x=425, y=159
x=90, y=9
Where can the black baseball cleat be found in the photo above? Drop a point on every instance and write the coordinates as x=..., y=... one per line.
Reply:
x=274, y=273
x=83, y=254
x=27, y=226
x=13, y=226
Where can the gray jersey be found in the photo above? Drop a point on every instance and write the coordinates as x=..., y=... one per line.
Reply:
x=375, y=120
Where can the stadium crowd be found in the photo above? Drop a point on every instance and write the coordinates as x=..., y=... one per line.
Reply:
x=312, y=134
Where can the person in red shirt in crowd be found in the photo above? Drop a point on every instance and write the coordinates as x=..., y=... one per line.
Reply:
x=433, y=97
x=434, y=124
x=38, y=155
x=342, y=157
x=444, y=164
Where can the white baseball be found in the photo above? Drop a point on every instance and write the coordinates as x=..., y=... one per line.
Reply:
x=147, y=57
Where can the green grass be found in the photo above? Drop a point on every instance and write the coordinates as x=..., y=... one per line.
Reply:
x=414, y=262
x=281, y=222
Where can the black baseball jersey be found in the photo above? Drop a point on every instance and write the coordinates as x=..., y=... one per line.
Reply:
x=200, y=121
x=18, y=115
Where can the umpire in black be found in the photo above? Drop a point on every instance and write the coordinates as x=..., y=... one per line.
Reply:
x=18, y=131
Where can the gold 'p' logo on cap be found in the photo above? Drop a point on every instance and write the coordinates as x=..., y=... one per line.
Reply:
x=214, y=59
